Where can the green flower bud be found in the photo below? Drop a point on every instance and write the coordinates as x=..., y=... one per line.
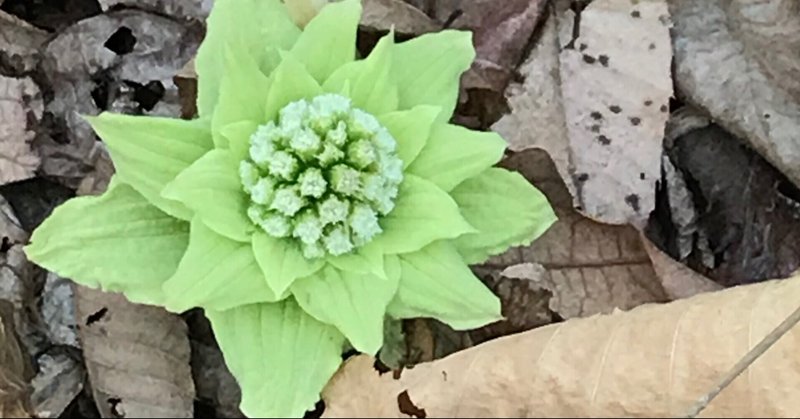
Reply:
x=338, y=242
x=361, y=153
x=345, y=180
x=312, y=183
x=322, y=175
x=287, y=200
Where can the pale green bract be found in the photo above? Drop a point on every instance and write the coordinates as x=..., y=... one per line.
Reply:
x=314, y=195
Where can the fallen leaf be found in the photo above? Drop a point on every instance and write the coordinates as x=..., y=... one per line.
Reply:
x=58, y=311
x=525, y=306
x=20, y=104
x=615, y=91
x=501, y=33
x=383, y=15
x=121, y=61
x=11, y=231
x=537, y=119
x=589, y=267
x=43, y=322
x=137, y=357
x=654, y=361
x=677, y=280
x=14, y=370
x=59, y=380
x=737, y=60
x=20, y=45
x=743, y=224
x=179, y=9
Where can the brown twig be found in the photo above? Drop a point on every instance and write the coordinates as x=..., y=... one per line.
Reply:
x=745, y=362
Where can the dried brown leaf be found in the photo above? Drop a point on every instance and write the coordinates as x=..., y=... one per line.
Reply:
x=746, y=218
x=501, y=33
x=677, y=280
x=87, y=76
x=537, y=119
x=59, y=377
x=589, y=267
x=382, y=15
x=20, y=44
x=615, y=90
x=737, y=59
x=653, y=361
x=137, y=357
x=14, y=369
x=20, y=104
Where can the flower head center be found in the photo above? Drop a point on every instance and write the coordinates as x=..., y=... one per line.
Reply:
x=322, y=175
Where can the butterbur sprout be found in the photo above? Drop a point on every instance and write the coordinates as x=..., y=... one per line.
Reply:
x=315, y=194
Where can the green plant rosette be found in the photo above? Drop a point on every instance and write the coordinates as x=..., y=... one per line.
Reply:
x=314, y=195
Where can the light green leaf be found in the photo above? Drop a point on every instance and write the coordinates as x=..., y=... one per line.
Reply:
x=354, y=303
x=216, y=273
x=241, y=96
x=237, y=136
x=411, y=129
x=148, y=152
x=428, y=69
x=329, y=40
x=423, y=214
x=117, y=241
x=290, y=81
x=372, y=85
x=281, y=261
x=454, y=154
x=212, y=189
x=280, y=356
x=258, y=28
x=505, y=208
x=367, y=259
x=435, y=282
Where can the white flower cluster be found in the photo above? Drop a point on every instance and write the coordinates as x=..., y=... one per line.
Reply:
x=323, y=175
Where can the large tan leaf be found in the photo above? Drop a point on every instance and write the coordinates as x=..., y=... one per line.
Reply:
x=137, y=357
x=589, y=267
x=615, y=89
x=19, y=104
x=653, y=361
x=738, y=60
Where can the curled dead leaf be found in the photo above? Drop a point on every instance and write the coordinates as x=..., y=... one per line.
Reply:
x=653, y=361
x=615, y=88
x=737, y=59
